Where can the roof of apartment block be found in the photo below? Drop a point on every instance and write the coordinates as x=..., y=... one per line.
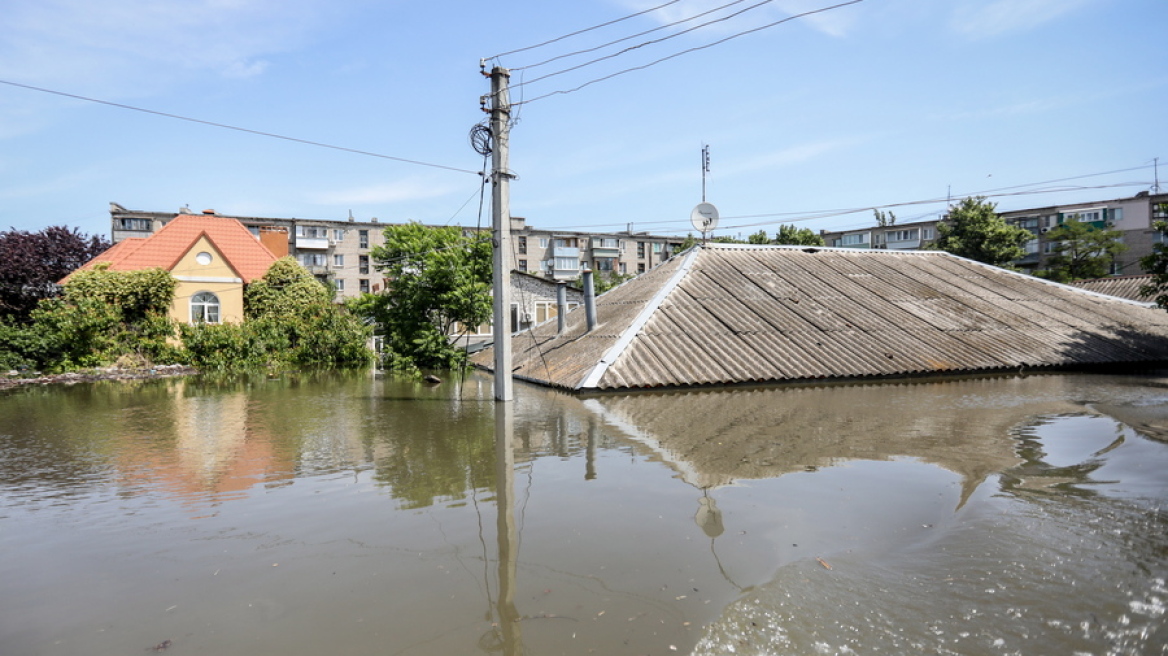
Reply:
x=166, y=247
x=730, y=313
x=1122, y=286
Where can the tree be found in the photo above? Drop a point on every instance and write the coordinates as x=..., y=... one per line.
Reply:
x=790, y=235
x=1156, y=264
x=975, y=231
x=31, y=263
x=759, y=237
x=1081, y=251
x=437, y=278
x=884, y=220
x=290, y=321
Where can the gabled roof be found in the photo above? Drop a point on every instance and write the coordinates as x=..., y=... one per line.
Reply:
x=1122, y=286
x=165, y=248
x=729, y=313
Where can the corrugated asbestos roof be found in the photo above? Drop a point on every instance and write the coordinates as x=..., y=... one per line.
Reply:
x=1122, y=286
x=730, y=313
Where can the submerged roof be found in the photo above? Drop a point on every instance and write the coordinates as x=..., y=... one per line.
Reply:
x=165, y=248
x=731, y=313
x=1122, y=286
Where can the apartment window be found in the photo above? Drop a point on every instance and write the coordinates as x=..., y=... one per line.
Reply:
x=640, y=267
x=902, y=235
x=134, y=224
x=657, y=247
x=311, y=232
x=623, y=267
x=855, y=240
x=311, y=259
x=363, y=238
x=1115, y=214
x=363, y=285
x=603, y=264
x=523, y=246
x=1031, y=247
x=604, y=242
x=254, y=230
x=543, y=242
x=338, y=260
x=523, y=265
x=926, y=233
x=339, y=284
x=338, y=234
x=363, y=265
x=567, y=264
x=641, y=249
x=204, y=308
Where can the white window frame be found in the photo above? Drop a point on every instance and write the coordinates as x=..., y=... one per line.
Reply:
x=208, y=306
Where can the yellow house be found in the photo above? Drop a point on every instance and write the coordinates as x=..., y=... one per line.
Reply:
x=212, y=257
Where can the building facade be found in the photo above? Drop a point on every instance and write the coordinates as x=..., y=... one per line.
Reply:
x=338, y=252
x=1133, y=217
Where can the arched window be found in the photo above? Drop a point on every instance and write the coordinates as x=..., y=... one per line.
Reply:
x=204, y=308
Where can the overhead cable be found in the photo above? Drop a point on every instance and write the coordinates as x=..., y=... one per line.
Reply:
x=627, y=38
x=587, y=29
x=683, y=52
x=239, y=129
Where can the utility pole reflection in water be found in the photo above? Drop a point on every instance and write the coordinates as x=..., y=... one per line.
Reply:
x=507, y=631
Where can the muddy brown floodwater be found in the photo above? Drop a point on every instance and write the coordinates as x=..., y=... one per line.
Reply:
x=354, y=514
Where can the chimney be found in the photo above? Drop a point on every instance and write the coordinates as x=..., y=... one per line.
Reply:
x=589, y=300
x=210, y=212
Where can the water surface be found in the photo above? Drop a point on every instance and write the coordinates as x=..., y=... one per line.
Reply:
x=354, y=514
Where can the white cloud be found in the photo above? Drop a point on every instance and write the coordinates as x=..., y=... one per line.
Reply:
x=985, y=19
x=793, y=155
x=127, y=43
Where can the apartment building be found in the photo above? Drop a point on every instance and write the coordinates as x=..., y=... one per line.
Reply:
x=1134, y=217
x=562, y=255
x=338, y=251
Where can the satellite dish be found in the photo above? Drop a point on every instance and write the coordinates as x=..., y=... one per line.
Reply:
x=704, y=217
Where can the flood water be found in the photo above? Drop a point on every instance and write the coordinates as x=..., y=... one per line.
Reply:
x=352, y=514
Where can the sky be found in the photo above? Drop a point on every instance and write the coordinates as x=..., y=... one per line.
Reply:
x=811, y=119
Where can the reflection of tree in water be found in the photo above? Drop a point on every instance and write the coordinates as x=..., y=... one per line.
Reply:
x=424, y=466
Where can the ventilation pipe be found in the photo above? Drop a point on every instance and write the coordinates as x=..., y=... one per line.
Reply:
x=561, y=305
x=589, y=300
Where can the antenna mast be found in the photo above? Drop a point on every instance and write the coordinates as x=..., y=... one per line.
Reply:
x=705, y=168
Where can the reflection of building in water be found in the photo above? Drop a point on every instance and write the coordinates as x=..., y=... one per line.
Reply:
x=712, y=438
x=199, y=446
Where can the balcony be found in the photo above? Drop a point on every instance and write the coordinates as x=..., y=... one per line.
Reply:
x=566, y=251
x=600, y=249
x=312, y=243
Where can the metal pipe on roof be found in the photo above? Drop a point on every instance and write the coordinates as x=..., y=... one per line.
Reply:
x=589, y=300
x=561, y=305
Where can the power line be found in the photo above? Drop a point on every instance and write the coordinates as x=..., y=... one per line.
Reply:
x=663, y=39
x=683, y=52
x=238, y=129
x=587, y=29
x=627, y=38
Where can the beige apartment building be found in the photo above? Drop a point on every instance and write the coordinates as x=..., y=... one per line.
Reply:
x=338, y=251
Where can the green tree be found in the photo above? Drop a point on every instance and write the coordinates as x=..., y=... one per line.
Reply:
x=437, y=278
x=687, y=243
x=290, y=321
x=103, y=317
x=975, y=231
x=759, y=237
x=1081, y=251
x=884, y=220
x=789, y=234
x=1156, y=264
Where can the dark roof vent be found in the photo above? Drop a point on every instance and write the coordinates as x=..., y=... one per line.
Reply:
x=211, y=212
x=811, y=250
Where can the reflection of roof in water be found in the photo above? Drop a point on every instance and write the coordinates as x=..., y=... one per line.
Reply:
x=715, y=437
x=734, y=314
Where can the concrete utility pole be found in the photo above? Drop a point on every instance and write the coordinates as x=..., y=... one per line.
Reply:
x=501, y=225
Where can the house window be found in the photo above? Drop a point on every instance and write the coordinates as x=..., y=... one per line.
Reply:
x=338, y=260
x=522, y=246
x=340, y=285
x=363, y=265
x=363, y=285
x=204, y=308
x=363, y=238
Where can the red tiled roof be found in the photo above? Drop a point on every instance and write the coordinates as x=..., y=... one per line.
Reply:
x=166, y=247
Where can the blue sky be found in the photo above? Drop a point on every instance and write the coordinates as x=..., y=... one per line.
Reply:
x=877, y=103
